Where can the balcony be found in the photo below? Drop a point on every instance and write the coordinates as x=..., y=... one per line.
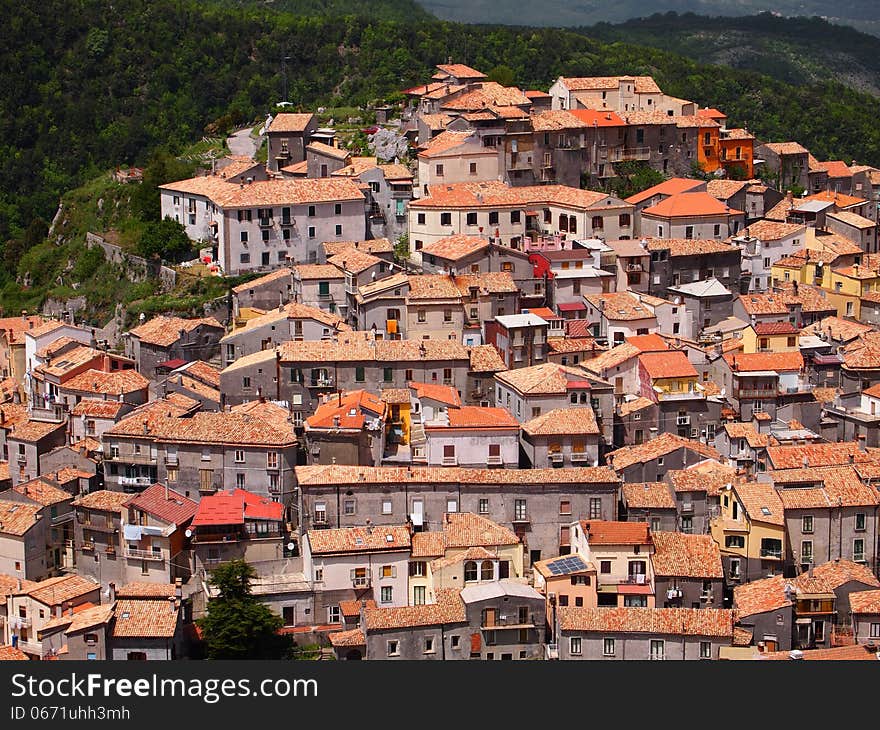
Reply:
x=522, y=519
x=31, y=647
x=741, y=393
x=634, y=268
x=360, y=579
x=321, y=383
x=555, y=457
x=578, y=457
x=775, y=553
x=634, y=579
x=144, y=555
x=146, y=459
x=503, y=621
x=683, y=420
x=680, y=395
x=551, y=651
x=494, y=461
x=135, y=481
x=687, y=508
x=97, y=526
x=22, y=621
x=171, y=460
x=449, y=460
x=266, y=222
x=630, y=153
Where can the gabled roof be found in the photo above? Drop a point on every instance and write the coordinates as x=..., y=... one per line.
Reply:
x=619, y=306
x=165, y=504
x=765, y=361
x=672, y=364
x=145, y=618
x=458, y=71
x=116, y=383
x=16, y=518
x=546, y=378
x=760, y=596
x=673, y=186
x=449, y=609
x=479, y=417
x=347, y=410
x=641, y=84
x=865, y=602
x=828, y=577
x=815, y=455
x=761, y=502
x=647, y=495
x=707, y=477
x=164, y=331
x=454, y=248
x=705, y=288
x=42, y=492
x=55, y=591
x=664, y=444
x=288, y=122
x=432, y=391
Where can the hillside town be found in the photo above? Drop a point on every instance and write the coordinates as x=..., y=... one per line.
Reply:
x=471, y=404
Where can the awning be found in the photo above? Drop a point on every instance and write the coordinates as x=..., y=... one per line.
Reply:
x=571, y=306
x=132, y=533
x=628, y=589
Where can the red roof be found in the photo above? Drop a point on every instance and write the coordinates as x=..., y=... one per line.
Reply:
x=164, y=503
x=687, y=205
x=673, y=186
x=233, y=507
x=598, y=117
x=606, y=532
x=440, y=393
x=480, y=417
x=674, y=364
x=172, y=364
x=775, y=328
x=648, y=343
x=571, y=306
x=711, y=113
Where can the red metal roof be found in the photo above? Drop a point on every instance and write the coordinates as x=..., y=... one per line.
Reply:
x=571, y=306
x=232, y=508
x=172, y=364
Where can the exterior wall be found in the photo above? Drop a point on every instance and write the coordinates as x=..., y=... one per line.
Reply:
x=23, y=469
x=435, y=325
x=308, y=291
x=264, y=296
x=155, y=649
x=693, y=593
x=296, y=142
x=542, y=531
x=389, y=203
x=654, y=471
x=862, y=625
x=472, y=446
x=456, y=165
x=773, y=625
x=24, y=556
x=833, y=534
x=500, y=642
x=248, y=340
x=411, y=643
x=637, y=646
x=98, y=544
x=425, y=226
x=200, y=343
x=375, y=313
x=660, y=519
x=701, y=227
x=336, y=583
x=537, y=450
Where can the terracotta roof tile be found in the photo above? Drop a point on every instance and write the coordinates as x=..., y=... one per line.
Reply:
x=547, y=378
x=116, y=383
x=857, y=652
x=748, y=432
x=490, y=282
x=760, y=596
x=55, y=591
x=688, y=205
x=647, y=495
x=454, y=248
x=12, y=653
x=288, y=122
x=352, y=637
x=272, y=192
x=359, y=539
x=166, y=504
x=432, y=286
x=146, y=590
x=761, y=502
x=164, y=331
x=347, y=410
x=41, y=491
x=814, y=455
x=618, y=306
x=459, y=71
x=710, y=477
x=756, y=361
x=680, y=555
x=765, y=230
x=664, y=444
x=689, y=246
x=714, y=622
x=449, y=609
x=486, y=359
x=440, y=393
x=33, y=431
x=865, y=602
x=97, y=408
x=332, y=474
x=611, y=358
x=672, y=364
x=641, y=84
x=480, y=417
x=636, y=404
x=559, y=119
x=607, y=532
x=786, y=148
x=145, y=618
x=17, y=518
x=828, y=577
x=563, y=421
x=673, y=186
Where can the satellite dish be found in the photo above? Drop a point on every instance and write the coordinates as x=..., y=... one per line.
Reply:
x=188, y=533
x=290, y=546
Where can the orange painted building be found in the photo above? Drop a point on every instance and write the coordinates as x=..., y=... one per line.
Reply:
x=737, y=148
x=708, y=148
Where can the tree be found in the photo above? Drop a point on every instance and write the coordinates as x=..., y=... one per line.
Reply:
x=633, y=177
x=503, y=75
x=401, y=248
x=237, y=625
x=162, y=168
x=166, y=239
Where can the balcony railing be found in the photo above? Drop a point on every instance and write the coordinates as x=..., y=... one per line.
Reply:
x=508, y=621
x=683, y=420
x=143, y=555
x=136, y=481
x=579, y=456
x=494, y=461
x=635, y=579
x=771, y=553
x=62, y=518
x=449, y=460
x=31, y=647
x=739, y=393
x=630, y=153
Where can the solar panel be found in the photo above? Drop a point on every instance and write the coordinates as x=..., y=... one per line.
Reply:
x=567, y=564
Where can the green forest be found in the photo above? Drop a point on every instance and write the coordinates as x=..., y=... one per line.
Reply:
x=89, y=85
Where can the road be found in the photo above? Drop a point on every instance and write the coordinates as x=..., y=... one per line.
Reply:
x=241, y=143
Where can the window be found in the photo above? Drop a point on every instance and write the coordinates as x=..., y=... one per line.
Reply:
x=387, y=571
x=385, y=594
x=265, y=236
x=565, y=507
x=515, y=216
x=418, y=568
x=206, y=454
x=348, y=506
x=858, y=549
x=657, y=648
x=623, y=220
x=446, y=219
x=605, y=566
x=860, y=521
x=519, y=510
x=705, y=650
x=716, y=231
x=171, y=473
x=386, y=506
x=807, y=524
x=439, y=170
x=452, y=505
x=447, y=315
x=320, y=512
x=360, y=374
x=429, y=645
x=608, y=647
x=687, y=524
x=484, y=507
x=239, y=481
x=421, y=315
x=244, y=237
x=574, y=645
x=470, y=571
x=338, y=230
x=311, y=232
x=487, y=570
x=239, y=456
x=595, y=508
x=807, y=551
x=393, y=648
x=875, y=631
x=333, y=614
x=472, y=219
x=418, y=595
x=420, y=218
x=493, y=218
x=688, y=231
x=735, y=541
x=819, y=631
x=387, y=375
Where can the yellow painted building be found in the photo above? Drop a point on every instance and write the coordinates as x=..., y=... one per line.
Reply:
x=770, y=337
x=449, y=559
x=750, y=531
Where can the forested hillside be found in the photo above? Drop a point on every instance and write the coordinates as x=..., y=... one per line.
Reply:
x=91, y=84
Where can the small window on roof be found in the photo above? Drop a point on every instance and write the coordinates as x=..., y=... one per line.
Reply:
x=765, y=510
x=389, y=538
x=359, y=541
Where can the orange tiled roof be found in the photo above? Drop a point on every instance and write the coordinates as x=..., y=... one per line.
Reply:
x=856, y=652
x=679, y=555
x=760, y=596
x=559, y=119
x=12, y=653
x=278, y=274
x=488, y=94
x=716, y=622
x=546, y=378
x=354, y=261
x=373, y=246
x=752, y=362
x=146, y=590
x=672, y=364
x=688, y=205
x=619, y=306
x=490, y=282
x=664, y=444
x=348, y=408
x=272, y=192
x=104, y=500
x=637, y=404
x=97, y=408
x=116, y=383
x=480, y=417
x=761, y=502
x=486, y=359
x=288, y=122
x=42, y=492
x=145, y=618
x=708, y=477
x=449, y=609
x=828, y=577
x=563, y=421
x=786, y=148
x=865, y=602
x=673, y=186
x=766, y=230
x=608, y=532
x=446, y=141
x=493, y=193
x=360, y=539
x=647, y=495
x=456, y=247
x=352, y=637
x=748, y=432
x=333, y=474
x=17, y=518
x=55, y=591
x=459, y=71
x=433, y=391
x=814, y=455
x=641, y=84
x=164, y=331
x=689, y=246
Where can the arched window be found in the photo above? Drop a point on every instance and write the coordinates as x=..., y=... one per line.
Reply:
x=572, y=225
x=487, y=570
x=583, y=397
x=470, y=571
x=574, y=398
x=597, y=223
x=563, y=222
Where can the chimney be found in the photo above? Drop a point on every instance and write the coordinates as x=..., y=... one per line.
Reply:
x=863, y=446
x=178, y=588
x=172, y=603
x=111, y=589
x=335, y=421
x=146, y=426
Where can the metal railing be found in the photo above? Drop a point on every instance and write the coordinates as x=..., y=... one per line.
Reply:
x=143, y=554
